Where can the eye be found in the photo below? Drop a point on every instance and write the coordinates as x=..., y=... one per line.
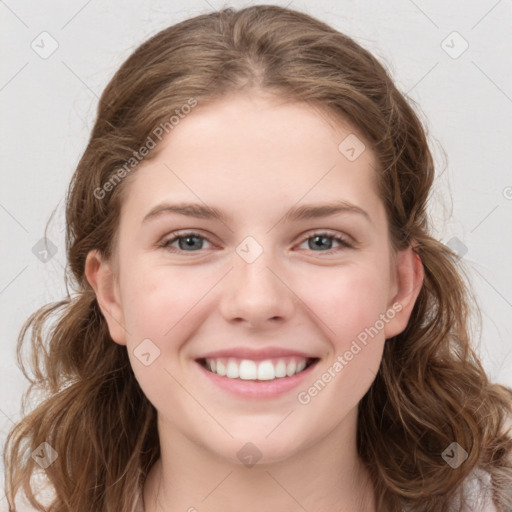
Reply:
x=193, y=242
x=188, y=242
x=324, y=242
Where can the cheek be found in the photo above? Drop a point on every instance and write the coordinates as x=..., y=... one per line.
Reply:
x=348, y=301
x=159, y=305
x=161, y=298
x=350, y=311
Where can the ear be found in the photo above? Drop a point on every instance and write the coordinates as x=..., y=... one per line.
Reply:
x=101, y=277
x=409, y=275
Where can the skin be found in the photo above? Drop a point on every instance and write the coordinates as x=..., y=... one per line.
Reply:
x=255, y=156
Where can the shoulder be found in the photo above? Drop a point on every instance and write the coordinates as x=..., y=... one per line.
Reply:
x=42, y=489
x=478, y=486
x=478, y=492
x=45, y=493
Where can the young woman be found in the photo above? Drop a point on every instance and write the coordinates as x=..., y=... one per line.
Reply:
x=261, y=319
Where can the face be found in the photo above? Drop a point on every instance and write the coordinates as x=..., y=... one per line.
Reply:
x=291, y=287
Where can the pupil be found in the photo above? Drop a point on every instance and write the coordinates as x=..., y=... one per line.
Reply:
x=189, y=242
x=322, y=239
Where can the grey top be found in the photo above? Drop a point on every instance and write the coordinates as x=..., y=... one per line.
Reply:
x=477, y=487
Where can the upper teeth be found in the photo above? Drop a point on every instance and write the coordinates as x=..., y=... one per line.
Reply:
x=247, y=369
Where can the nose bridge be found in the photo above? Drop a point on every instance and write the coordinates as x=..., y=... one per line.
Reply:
x=253, y=290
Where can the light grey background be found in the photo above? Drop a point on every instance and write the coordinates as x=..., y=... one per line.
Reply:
x=48, y=109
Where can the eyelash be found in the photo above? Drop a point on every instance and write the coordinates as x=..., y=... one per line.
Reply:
x=344, y=242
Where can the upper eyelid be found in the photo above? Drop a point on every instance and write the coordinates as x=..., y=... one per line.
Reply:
x=182, y=234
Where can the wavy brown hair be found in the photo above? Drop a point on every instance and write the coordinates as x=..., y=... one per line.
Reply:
x=431, y=389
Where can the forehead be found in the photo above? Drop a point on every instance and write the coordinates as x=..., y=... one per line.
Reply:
x=254, y=150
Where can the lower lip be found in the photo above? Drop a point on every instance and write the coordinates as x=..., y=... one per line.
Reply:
x=257, y=388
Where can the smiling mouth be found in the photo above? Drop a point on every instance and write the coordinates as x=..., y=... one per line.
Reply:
x=264, y=370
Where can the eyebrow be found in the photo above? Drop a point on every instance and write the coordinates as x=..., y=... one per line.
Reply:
x=307, y=211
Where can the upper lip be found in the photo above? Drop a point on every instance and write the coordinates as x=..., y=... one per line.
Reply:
x=255, y=354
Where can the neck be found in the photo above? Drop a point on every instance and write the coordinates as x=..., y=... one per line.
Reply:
x=325, y=476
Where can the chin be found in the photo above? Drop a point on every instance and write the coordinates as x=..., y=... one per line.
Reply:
x=253, y=448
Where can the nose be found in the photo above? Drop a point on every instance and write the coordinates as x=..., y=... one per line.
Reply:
x=256, y=294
